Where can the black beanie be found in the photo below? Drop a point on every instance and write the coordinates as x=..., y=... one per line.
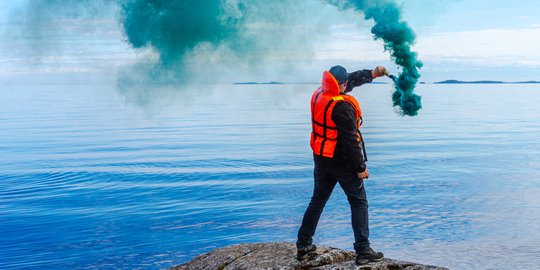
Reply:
x=339, y=73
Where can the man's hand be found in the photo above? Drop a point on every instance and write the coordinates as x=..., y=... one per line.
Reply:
x=363, y=175
x=379, y=71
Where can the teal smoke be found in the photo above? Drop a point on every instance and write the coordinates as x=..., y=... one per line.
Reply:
x=174, y=27
x=398, y=38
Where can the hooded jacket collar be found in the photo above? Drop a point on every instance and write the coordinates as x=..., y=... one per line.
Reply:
x=329, y=84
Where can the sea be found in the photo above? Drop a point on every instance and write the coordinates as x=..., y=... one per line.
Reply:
x=95, y=178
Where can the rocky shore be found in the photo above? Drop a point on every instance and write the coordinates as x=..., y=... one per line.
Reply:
x=283, y=256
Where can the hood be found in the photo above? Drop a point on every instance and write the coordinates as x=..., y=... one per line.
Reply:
x=329, y=84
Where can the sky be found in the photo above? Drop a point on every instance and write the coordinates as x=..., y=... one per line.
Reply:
x=467, y=40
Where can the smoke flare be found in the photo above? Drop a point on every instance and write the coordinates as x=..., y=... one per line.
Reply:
x=173, y=28
x=217, y=36
x=398, y=38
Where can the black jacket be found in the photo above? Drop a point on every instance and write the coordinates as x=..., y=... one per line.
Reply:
x=348, y=151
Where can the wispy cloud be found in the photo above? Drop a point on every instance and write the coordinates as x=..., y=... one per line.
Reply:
x=484, y=47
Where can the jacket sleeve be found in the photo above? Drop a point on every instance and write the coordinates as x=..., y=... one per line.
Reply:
x=358, y=78
x=344, y=117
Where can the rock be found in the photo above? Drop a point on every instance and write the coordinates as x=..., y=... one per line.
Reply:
x=283, y=256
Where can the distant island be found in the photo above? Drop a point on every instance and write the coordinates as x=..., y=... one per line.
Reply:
x=274, y=82
x=479, y=82
x=441, y=82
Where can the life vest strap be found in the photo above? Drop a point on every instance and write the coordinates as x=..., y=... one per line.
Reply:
x=317, y=134
x=313, y=122
x=322, y=125
x=325, y=125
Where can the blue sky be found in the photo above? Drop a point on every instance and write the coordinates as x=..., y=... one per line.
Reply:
x=467, y=40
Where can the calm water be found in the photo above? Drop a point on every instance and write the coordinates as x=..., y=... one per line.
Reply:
x=90, y=181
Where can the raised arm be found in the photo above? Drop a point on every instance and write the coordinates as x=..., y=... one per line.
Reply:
x=363, y=76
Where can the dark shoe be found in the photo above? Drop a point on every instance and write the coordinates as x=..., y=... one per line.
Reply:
x=368, y=255
x=303, y=253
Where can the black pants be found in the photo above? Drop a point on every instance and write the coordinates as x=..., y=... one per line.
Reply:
x=325, y=181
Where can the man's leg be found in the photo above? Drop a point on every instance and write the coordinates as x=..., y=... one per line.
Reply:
x=356, y=195
x=324, y=185
x=360, y=218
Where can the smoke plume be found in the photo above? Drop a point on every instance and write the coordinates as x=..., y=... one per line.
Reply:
x=198, y=41
x=398, y=38
x=174, y=28
x=214, y=41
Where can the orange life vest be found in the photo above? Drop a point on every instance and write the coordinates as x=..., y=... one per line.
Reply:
x=324, y=133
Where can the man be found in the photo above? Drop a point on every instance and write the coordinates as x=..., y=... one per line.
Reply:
x=339, y=156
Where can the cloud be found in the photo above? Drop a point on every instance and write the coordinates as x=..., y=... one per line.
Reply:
x=484, y=47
